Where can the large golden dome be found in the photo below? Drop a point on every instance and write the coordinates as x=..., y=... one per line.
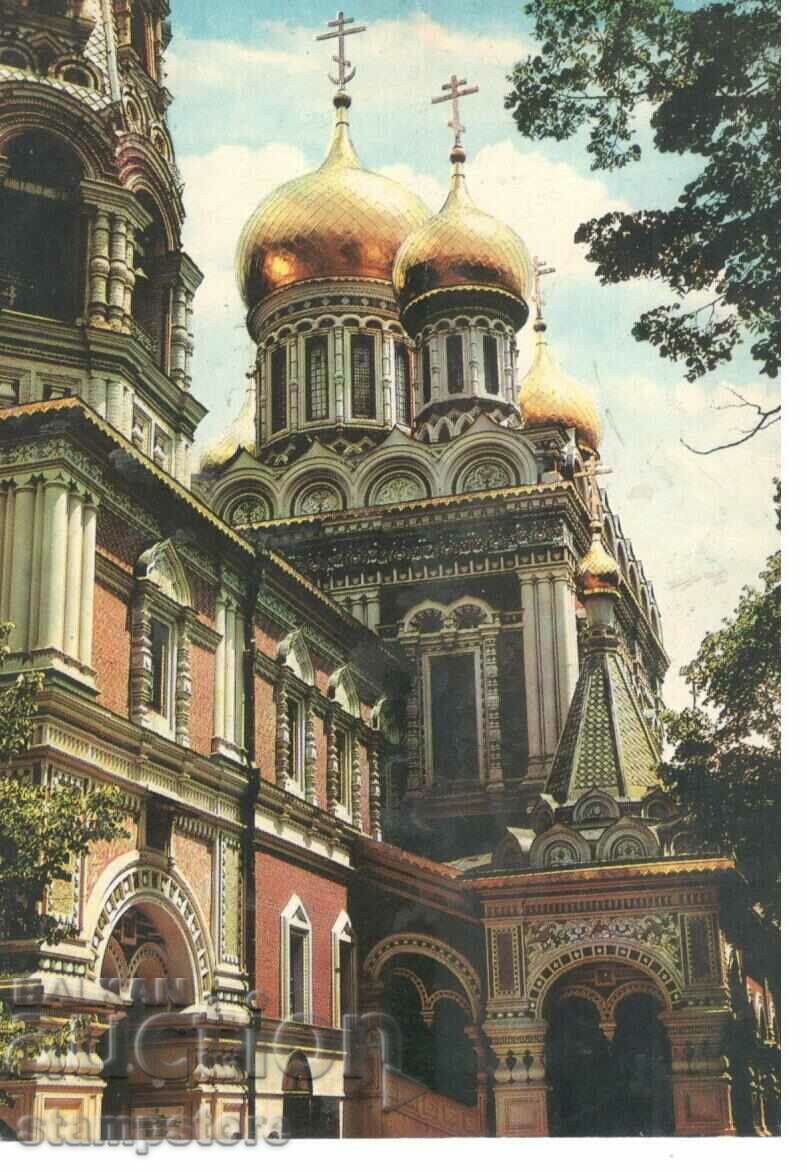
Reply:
x=461, y=246
x=549, y=396
x=338, y=221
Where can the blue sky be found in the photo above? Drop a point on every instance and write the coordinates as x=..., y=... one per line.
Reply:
x=252, y=109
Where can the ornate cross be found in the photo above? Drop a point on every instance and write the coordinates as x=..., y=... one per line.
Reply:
x=540, y=270
x=455, y=92
x=346, y=71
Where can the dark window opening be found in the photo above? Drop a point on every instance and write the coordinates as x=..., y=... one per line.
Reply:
x=362, y=376
x=143, y=38
x=150, y=299
x=77, y=76
x=453, y=717
x=403, y=397
x=160, y=666
x=491, y=355
x=159, y=825
x=456, y=374
x=295, y=730
x=342, y=768
x=13, y=58
x=426, y=377
x=279, y=409
x=297, y=974
x=316, y=353
x=42, y=237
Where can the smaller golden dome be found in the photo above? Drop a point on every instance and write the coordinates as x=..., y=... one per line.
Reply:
x=549, y=396
x=239, y=434
x=461, y=246
x=598, y=572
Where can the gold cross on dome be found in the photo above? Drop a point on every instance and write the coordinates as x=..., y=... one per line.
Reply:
x=455, y=92
x=540, y=270
x=347, y=71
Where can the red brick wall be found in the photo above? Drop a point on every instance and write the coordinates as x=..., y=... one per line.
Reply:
x=276, y=882
x=102, y=853
x=265, y=724
x=111, y=650
x=266, y=640
x=200, y=725
x=194, y=859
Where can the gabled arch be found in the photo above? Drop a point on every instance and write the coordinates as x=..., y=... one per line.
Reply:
x=561, y=846
x=294, y=653
x=342, y=688
x=160, y=565
x=596, y=805
x=628, y=839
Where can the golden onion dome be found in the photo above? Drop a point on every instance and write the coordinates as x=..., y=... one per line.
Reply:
x=461, y=246
x=338, y=221
x=598, y=572
x=239, y=434
x=549, y=396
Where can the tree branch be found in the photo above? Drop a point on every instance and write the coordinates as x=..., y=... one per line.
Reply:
x=765, y=420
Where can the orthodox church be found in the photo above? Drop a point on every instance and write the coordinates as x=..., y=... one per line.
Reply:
x=378, y=672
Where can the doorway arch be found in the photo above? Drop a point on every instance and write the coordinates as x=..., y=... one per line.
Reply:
x=608, y=1064
x=306, y=1115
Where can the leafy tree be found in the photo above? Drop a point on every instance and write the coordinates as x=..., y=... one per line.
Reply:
x=708, y=76
x=725, y=768
x=44, y=827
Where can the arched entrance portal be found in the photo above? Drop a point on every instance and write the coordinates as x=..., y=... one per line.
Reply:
x=607, y=1055
x=150, y=1050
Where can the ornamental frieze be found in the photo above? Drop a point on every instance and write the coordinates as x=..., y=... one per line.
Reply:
x=660, y=931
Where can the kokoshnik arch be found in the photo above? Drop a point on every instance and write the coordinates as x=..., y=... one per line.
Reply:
x=380, y=682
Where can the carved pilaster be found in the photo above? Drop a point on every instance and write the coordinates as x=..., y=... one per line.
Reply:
x=339, y=372
x=184, y=684
x=332, y=765
x=519, y=1077
x=140, y=679
x=310, y=755
x=492, y=709
x=413, y=724
x=375, y=790
x=283, y=732
x=355, y=783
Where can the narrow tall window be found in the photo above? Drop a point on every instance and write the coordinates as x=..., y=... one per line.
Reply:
x=343, y=768
x=297, y=974
x=160, y=666
x=295, y=740
x=317, y=381
x=279, y=409
x=345, y=978
x=403, y=408
x=362, y=376
x=491, y=354
x=456, y=377
x=455, y=742
x=426, y=376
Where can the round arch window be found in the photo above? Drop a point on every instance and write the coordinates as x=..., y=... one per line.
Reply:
x=249, y=509
x=318, y=498
x=486, y=474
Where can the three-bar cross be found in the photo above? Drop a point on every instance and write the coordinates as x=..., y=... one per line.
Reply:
x=455, y=92
x=346, y=71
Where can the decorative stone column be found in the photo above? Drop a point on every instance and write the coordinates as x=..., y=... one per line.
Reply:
x=355, y=782
x=701, y=1084
x=99, y=270
x=118, y=270
x=229, y=684
x=54, y=564
x=519, y=1078
x=282, y=737
x=179, y=334
x=296, y=364
x=550, y=659
x=184, y=685
x=492, y=709
x=310, y=745
x=474, y=346
x=21, y=558
x=87, y=610
x=339, y=379
x=332, y=765
x=387, y=374
x=375, y=789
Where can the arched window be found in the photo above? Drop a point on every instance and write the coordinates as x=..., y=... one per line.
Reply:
x=279, y=421
x=316, y=361
x=362, y=376
x=403, y=398
x=13, y=58
x=42, y=240
x=343, y=945
x=150, y=297
x=491, y=355
x=454, y=363
x=426, y=373
x=296, y=962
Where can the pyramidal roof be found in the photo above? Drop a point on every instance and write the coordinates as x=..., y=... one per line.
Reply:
x=606, y=742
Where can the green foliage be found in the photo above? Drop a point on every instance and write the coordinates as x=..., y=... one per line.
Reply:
x=44, y=826
x=725, y=769
x=709, y=81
